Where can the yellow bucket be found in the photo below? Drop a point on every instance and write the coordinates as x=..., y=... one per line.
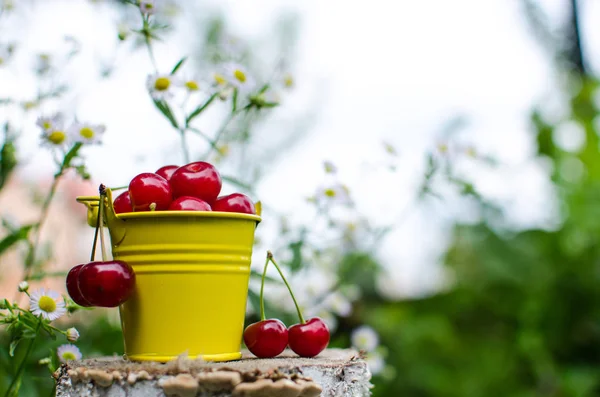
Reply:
x=192, y=270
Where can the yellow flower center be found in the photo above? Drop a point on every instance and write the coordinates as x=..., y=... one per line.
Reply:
x=46, y=125
x=30, y=105
x=86, y=132
x=288, y=81
x=223, y=150
x=329, y=192
x=68, y=356
x=162, y=83
x=57, y=137
x=191, y=85
x=239, y=75
x=47, y=304
x=1, y=60
x=220, y=79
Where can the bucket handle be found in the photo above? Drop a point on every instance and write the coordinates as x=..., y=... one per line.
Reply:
x=116, y=226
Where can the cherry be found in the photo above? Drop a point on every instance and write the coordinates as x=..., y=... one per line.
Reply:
x=150, y=192
x=266, y=338
x=73, y=287
x=166, y=171
x=236, y=202
x=106, y=283
x=188, y=203
x=123, y=203
x=310, y=338
x=198, y=179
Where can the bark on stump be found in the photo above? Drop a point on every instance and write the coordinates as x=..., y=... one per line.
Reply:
x=334, y=372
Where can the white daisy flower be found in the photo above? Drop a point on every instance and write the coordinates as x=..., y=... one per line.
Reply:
x=218, y=80
x=147, y=7
x=72, y=334
x=191, y=84
x=68, y=352
x=160, y=86
x=23, y=286
x=47, y=123
x=375, y=363
x=47, y=304
x=54, y=133
x=365, y=338
x=288, y=80
x=329, y=167
x=238, y=76
x=338, y=304
x=43, y=63
x=338, y=193
x=86, y=132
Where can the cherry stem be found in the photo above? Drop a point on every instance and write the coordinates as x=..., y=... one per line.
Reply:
x=96, y=233
x=102, y=190
x=262, y=288
x=270, y=258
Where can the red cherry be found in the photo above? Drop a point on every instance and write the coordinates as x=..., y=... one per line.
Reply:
x=188, y=203
x=73, y=288
x=236, y=202
x=199, y=179
x=266, y=338
x=167, y=171
x=310, y=338
x=123, y=203
x=106, y=284
x=146, y=189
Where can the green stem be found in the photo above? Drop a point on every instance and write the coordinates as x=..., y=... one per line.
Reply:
x=184, y=147
x=21, y=368
x=270, y=258
x=146, y=34
x=101, y=221
x=203, y=135
x=262, y=288
x=44, y=214
x=98, y=220
x=221, y=131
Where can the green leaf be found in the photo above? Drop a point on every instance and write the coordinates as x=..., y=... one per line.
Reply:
x=13, y=346
x=234, y=102
x=15, y=237
x=83, y=172
x=200, y=109
x=178, y=65
x=8, y=158
x=263, y=89
x=296, y=247
x=166, y=111
x=69, y=157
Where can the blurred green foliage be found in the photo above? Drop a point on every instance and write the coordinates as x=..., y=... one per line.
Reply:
x=523, y=318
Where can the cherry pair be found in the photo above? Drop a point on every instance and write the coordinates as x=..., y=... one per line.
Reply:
x=192, y=187
x=106, y=283
x=268, y=338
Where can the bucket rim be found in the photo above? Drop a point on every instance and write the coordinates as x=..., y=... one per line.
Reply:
x=94, y=201
x=183, y=214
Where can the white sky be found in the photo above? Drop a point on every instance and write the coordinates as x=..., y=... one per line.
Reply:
x=383, y=70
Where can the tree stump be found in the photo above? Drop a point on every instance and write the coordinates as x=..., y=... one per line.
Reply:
x=334, y=372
